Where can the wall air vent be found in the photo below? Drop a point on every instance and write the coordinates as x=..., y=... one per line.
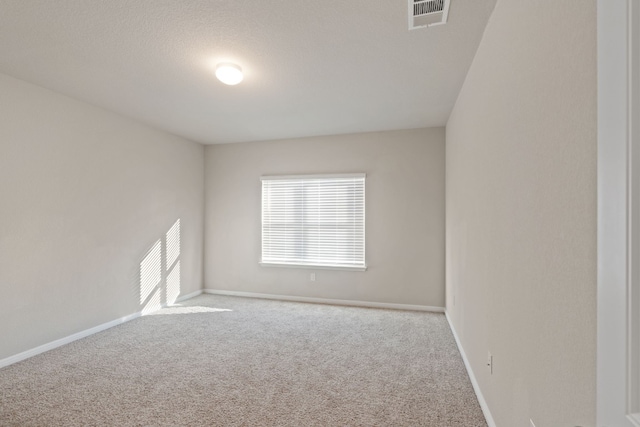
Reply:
x=426, y=13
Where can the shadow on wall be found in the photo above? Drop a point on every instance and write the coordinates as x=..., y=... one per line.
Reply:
x=160, y=272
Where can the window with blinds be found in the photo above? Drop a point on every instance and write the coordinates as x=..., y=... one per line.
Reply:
x=313, y=220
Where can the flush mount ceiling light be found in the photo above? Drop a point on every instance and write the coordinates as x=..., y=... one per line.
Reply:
x=228, y=73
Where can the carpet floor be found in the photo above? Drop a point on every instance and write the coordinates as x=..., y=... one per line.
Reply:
x=227, y=361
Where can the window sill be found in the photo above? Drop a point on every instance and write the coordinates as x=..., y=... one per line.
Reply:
x=314, y=267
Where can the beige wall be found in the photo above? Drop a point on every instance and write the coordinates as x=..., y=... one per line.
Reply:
x=404, y=215
x=521, y=213
x=85, y=194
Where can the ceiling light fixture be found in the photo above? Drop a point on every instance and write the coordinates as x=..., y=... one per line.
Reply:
x=228, y=73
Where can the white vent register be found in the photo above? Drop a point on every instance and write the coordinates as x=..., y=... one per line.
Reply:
x=427, y=13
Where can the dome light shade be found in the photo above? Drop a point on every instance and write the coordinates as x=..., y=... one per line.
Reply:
x=229, y=74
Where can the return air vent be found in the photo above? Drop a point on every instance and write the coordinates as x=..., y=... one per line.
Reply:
x=426, y=13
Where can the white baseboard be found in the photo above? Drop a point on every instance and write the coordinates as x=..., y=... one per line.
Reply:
x=189, y=296
x=472, y=377
x=327, y=301
x=82, y=334
x=66, y=340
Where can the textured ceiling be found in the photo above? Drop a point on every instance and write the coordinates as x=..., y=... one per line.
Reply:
x=311, y=67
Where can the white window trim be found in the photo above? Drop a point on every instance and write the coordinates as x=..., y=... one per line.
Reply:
x=311, y=266
x=327, y=176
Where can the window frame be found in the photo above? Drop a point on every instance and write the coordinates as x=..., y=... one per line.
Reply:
x=312, y=266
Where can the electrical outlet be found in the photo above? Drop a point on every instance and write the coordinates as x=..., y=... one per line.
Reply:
x=490, y=364
x=532, y=424
x=312, y=277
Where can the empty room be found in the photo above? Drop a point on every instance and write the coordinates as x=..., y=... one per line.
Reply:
x=338, y=213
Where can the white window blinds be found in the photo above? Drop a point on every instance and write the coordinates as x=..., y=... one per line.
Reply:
x=313, y=220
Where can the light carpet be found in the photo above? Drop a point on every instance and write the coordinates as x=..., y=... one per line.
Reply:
x=228, y=361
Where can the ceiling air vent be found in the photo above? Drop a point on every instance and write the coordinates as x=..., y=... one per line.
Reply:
x=425, y=13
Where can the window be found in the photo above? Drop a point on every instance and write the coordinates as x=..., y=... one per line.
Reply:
x=313, y=220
